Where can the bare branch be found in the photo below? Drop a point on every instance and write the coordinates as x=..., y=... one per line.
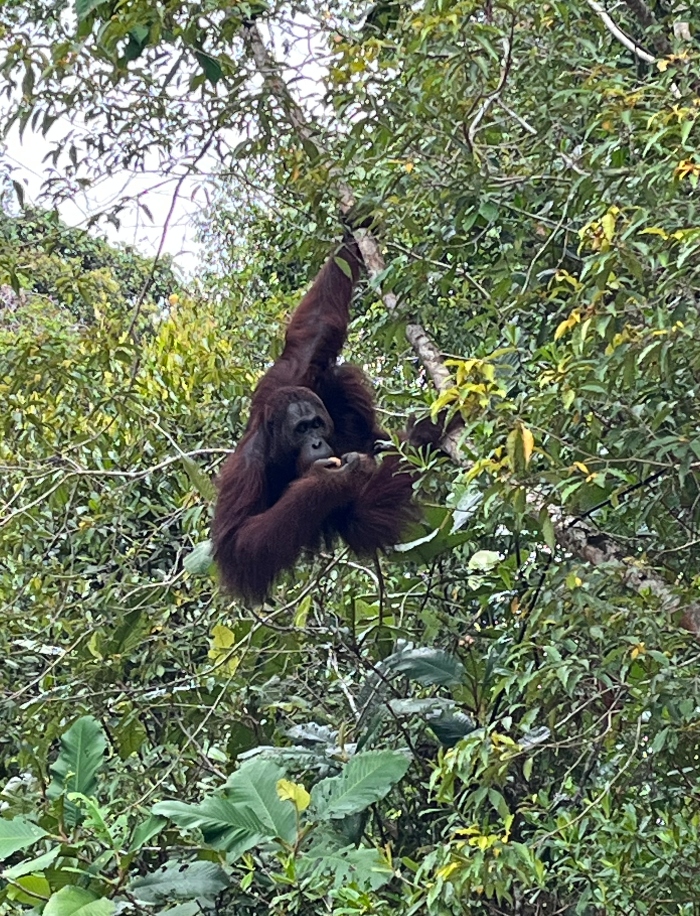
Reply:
x=617, y=33
x=597, y=549
x=506, y=62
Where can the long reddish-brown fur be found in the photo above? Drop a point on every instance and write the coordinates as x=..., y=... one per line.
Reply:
x=266, y=514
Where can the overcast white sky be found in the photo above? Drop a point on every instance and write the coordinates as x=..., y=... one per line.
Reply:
x=295, y=44
x=26, y=159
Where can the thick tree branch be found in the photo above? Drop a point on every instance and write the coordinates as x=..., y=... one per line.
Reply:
x=617, y=33
x=598, y=549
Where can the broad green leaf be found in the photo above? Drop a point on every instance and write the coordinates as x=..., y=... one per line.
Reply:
x=17, y=834
x=83, y=8
x=145, y=831
x=30, y=866
x=224, y=825
x=427, y=666
x=198, y=561
x=484, y=560
x=180, y=881
x=28, y=888
x=439, y=713
x=80, y=757
x=191, y=908
x=363, y=868
x=254, y=785
x=77, y=901
x=248, y=813
x=366, y=779
x=210, y=66
x=451, y=727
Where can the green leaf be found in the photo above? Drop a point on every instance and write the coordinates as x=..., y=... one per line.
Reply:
x=250, y=812
x=77, y=901
x=364, y=868
x=145, y=831
x=29, y=866
x=199, y=480
x=366, y=779
x=484, y=560
x=17, y=834
x=198, y=562
x=180, y=880
x=233, y=828
x=451, y=727
x=191, y=908
x=302, y=612
x=80, y=757
x=129, y=735
x=439, y=713
x=83, y=8
x=427, y=666
x=210, y=66
x=254, y=786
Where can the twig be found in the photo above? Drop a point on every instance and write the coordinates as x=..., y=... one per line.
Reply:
x=521, y=121
x=166, y=225
x=506, y=62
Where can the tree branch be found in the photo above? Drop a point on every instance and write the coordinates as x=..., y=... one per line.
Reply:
x=506, y=62
x=617, y=33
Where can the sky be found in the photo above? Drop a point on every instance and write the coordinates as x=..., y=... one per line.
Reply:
x=25, y=159
x=294, y=45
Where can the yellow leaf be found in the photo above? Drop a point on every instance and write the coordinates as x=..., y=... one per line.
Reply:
x=511, y=447
x=293, y=792
x=443, y=400
x=222, y=637
x=563, y=276
x=568, y=323
x=608, y=224
x=223, y=640
x=93, y=646
x=447, y=870
x=655, y=230
x=302, y=612
x=409, y=166
x=579, y=465
x=528, y=443
x=562, y=329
